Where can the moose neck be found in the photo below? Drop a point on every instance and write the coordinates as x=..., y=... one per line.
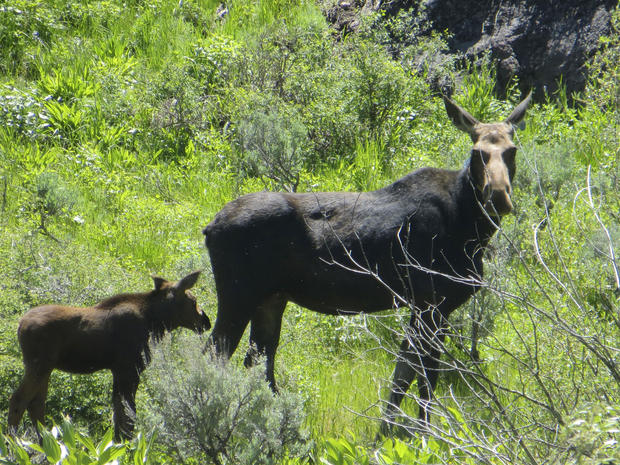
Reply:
x=157, y=316
x=483, y=226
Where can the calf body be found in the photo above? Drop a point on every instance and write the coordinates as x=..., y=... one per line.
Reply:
x=113, y=334
x=418, y=242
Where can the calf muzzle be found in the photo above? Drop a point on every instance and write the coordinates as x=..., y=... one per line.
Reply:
x=204, y=324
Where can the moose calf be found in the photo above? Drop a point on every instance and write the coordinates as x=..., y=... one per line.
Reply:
x=114, y=335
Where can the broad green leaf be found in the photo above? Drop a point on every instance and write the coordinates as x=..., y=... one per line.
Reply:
x=105, y=442
x=19, y=451
x=68, y=435
x=50, y=446
x=87, y=442
x=111, y=453
x=141, y=449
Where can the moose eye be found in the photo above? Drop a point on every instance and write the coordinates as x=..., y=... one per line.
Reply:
x=509, y=155
x=480, y=155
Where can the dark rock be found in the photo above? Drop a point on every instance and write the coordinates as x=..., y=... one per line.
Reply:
x=539, y=41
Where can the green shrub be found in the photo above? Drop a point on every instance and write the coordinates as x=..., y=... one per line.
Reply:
x=218, y=413
x=171, y=113
x=214, y=62
x=68, y=85
x=22, y=112
x=380, y=88
x=66, y=445
x=25, y=25
x=591, y=437
x=275, y=143
x=351, y=450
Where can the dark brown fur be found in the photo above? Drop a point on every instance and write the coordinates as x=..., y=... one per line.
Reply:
x=113, y=335
x=421, y=238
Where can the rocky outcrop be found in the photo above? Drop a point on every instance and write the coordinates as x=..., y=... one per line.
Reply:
x=540, y=41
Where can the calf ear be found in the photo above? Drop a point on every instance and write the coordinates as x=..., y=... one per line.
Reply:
x=159, y=282
x=461, y=118
x=188, y=281
x=517, y=115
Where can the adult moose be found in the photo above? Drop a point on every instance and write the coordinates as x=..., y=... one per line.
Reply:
x=417, y=242
x=114, y=335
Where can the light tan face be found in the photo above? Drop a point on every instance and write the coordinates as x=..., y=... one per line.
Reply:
x=493, y=166
x=492, y=163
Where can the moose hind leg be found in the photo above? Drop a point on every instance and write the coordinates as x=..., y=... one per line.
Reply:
x=19, y=401
x=36, y=408
x=30, y=395
x=265, y=335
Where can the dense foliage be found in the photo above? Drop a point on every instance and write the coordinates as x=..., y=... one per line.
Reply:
x=125, y=126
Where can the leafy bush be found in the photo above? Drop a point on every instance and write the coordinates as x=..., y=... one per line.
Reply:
x=409, y=38
x=380, y=89
x=275, y=141
x=596, y=135
x=22, y=112
x=25, y=25
x=350, y=450
x=217, y=413
x=65, y=445
x=591, y=436
x=214, y=62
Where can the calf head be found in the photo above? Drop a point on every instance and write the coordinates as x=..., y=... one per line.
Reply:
x=180, y=306
x=492, y=164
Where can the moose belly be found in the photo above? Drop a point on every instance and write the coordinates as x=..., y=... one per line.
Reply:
x=83, y=361
x=341, y=292
x=85, y=353
x=337, y=289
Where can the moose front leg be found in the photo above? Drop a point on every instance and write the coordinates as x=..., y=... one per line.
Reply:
x=124, y=387
x=418, y=356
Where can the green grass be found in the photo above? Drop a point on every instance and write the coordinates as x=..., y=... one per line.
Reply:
x=121, y=136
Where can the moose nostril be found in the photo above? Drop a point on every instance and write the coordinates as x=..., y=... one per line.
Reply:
x=501, y=201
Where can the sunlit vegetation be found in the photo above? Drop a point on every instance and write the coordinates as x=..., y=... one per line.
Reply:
x=125, y=126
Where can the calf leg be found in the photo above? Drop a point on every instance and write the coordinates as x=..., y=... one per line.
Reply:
x=36, y=408
x=30, y=395
x=265, y=335
x=124, y=386
x=419, y=356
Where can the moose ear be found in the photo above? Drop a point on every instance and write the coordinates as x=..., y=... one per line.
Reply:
x=159, y=282
x=517, y=115
x=188, y=281
x=461, y=118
